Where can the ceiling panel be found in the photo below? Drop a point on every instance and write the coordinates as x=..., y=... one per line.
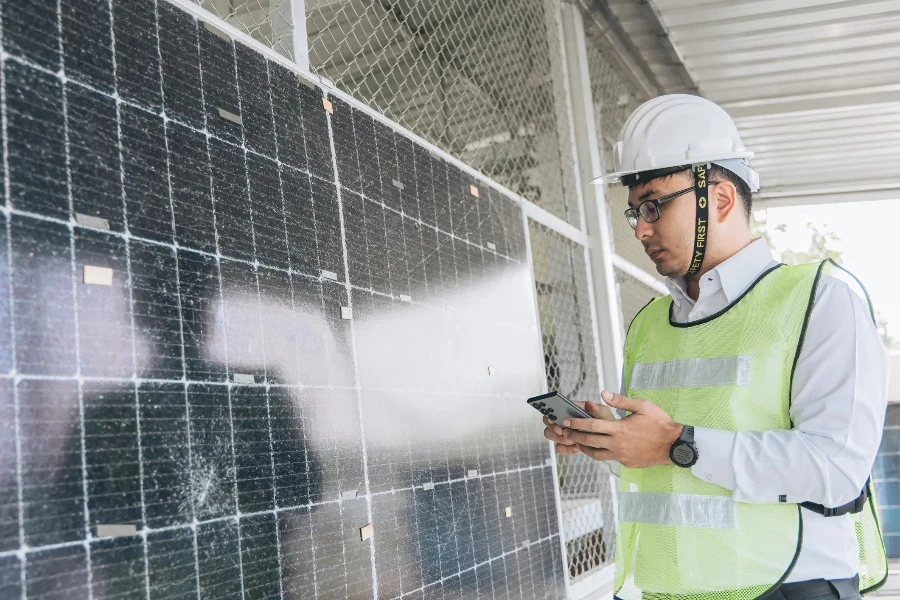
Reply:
x=814, y=86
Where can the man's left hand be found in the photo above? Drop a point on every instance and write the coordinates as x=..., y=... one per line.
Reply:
x=642, y=439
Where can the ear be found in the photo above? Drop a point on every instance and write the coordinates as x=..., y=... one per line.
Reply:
x=727, y=201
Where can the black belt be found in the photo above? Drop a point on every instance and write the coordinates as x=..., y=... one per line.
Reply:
x=839, y=589
x=854, y=506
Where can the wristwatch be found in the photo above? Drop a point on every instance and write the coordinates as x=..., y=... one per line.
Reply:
x=684, y=451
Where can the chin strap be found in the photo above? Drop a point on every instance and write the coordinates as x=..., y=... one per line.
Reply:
x=701, y=227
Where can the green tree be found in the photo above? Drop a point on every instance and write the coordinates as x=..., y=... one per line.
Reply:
x=821, y=246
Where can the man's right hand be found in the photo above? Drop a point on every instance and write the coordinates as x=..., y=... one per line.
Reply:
x=554, y=432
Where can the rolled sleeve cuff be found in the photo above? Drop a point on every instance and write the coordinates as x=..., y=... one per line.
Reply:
x=714, y=448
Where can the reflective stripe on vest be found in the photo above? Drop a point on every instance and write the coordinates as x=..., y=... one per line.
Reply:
x=692, y=372
x=680, y=510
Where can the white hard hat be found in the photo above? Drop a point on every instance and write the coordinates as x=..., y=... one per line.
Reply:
x=674, y=132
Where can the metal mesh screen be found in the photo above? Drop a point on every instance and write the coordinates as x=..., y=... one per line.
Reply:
x=561, y=284
x=614, y=100
x=633, y=295
x=481, y=80
x=477, y=79
x=269, y=21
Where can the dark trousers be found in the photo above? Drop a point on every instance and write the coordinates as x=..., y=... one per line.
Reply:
x=818, y=589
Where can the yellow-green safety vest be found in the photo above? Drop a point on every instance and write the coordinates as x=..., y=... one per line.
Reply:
x=679, y=536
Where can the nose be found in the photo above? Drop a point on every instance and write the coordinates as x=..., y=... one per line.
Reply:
x=644, y=230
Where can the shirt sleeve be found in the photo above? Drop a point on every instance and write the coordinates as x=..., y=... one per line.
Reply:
x=839, y=398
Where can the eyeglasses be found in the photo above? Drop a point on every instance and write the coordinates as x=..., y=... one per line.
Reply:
x=649, y=209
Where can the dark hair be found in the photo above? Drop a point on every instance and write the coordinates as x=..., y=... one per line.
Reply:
x=716, y=173
x=743, y=190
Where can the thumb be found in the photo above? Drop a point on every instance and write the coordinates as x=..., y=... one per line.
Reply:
x=619, y=401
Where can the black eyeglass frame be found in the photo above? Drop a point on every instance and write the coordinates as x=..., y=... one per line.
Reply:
x=634, y=213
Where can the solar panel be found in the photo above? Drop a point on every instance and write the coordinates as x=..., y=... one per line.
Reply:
x=251, y=347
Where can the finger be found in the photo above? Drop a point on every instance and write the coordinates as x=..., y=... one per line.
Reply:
x=559, y=439
x=593, y=425
x=598, y=411
x=567, y=450
x=619, y=401
x=592, y=440
x=553, y=426
x=597, y=453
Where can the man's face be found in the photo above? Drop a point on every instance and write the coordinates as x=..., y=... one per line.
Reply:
x=669, y=241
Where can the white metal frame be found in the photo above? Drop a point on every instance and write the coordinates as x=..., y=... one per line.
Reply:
x=595, y=238
x=301, y=42
x=557, y=34
x=604, y=301
x=574, y=81
x=638, y=273
x=599, y=232
x=540, y=351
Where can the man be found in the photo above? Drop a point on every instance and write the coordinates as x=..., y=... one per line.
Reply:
x=755, y=393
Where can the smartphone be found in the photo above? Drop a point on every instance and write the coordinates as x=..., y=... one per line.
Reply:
x=557, y=407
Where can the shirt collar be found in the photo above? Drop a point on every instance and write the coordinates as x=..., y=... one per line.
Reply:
x=735, y=274
x=679, y=293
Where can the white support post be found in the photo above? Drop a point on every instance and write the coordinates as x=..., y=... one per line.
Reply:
x=301, y=43
x=537, y=325
x=572, y=174
x=578, y=148
x=599, y=251
x=597, y=226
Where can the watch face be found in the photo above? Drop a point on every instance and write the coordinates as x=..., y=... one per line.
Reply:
x=683, y=454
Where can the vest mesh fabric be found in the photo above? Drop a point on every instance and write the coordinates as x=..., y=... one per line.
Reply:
x=681, y=537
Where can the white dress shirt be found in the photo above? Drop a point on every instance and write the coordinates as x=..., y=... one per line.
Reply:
x=839, y=397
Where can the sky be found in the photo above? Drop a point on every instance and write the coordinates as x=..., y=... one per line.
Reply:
x=869, y=235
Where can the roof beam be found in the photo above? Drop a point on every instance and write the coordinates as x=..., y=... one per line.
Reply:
x=623, y=48
x=801, y=103
x=810, y=195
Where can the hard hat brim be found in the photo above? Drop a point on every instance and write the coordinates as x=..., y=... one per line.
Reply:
x=630, y=178
x=728, y=162
x=607, y=179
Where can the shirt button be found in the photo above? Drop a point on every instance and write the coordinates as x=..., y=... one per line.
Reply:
x=708, y=477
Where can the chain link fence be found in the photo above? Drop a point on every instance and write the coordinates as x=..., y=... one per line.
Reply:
x=477, y=79
x=268, y=21
x=481, y=80
x=633, y=296
x=570, y=362
x=614, y=96
x=614, y=100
